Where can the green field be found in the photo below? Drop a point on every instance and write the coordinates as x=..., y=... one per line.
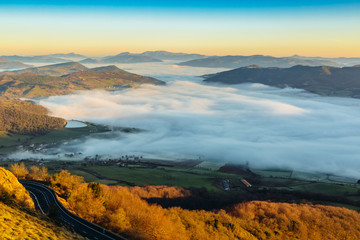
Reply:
x=10, y=142
x=267, y=184
x=170, y=176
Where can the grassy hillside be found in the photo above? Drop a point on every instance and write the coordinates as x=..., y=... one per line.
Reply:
x=322, y=80
x=17, y=224
x=25, y=223
x=11, y=191
x=35, y=85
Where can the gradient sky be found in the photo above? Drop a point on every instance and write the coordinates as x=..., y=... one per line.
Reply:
x=280, y=28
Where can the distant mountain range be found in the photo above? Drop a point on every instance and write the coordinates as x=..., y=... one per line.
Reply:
x=164, y=55
x=51, y=70
x=35, y=59
x=323, y=80
x=91, y=61
x=189, y=59
x=5, y=64
x=67, y=55
x=60, y=79
x=265, y=61
x=343, y=61
x=127, y=57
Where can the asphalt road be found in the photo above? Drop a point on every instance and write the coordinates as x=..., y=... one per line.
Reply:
x=45, y=197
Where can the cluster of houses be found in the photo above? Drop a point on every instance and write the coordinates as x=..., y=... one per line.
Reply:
x=32, y=148
x=226, y=184
x=122, y=161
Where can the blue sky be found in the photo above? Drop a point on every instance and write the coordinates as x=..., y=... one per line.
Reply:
x=185, y=3
x=279, y=28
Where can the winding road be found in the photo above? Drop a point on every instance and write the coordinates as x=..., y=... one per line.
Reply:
x=45, y=197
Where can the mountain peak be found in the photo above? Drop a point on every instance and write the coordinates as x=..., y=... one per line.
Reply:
x=253, y=66
x=54, y=69
x=110, y=68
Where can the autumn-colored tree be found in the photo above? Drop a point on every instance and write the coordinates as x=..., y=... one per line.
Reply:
x=151, y=191
x=44, y=175
x=39, y=174
x=34, y=173
x=65, y=183
x=122, y=210
x=19, y=170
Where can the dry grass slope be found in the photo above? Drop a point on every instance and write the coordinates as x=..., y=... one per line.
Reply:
x=16, y=224
x=11, y=189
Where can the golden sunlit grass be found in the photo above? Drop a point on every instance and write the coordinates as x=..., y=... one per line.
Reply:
x=16, y=224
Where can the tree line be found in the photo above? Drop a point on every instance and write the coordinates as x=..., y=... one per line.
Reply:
x=122, y=210
x=27, y=118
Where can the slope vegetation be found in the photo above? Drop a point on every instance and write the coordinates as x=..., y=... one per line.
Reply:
x=52, y=70
x=330, y=81
x=5, y=64
x=22, y=117
x=34, y=85
x=265, y=61
x=121, y=210
x=12, y=191
x=19, y=224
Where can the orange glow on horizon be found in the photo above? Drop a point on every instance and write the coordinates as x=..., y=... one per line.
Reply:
x=276, y=51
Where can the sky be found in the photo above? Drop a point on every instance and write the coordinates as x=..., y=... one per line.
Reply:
x=98, y=28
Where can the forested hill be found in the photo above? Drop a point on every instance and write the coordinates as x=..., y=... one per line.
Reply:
x=265, y=61
x=5, y=64
x=32, y=84
x=20, y=117
x=323, y=80
x=51, y=70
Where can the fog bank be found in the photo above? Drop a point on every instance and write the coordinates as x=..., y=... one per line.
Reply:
x=265, y=126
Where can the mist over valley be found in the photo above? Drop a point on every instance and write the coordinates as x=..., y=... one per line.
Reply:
x=264, y=126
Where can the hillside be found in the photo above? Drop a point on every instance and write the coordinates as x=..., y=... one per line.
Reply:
x=110, y=68
x=91, y=79
x=35, y=85
x=19, y=117
x=265, y=61
x=11, y=191
x=18, y=224
x=345, y=61
x=329, y=81
x=51, y=70
x=91, y=61
x=5, y=64
x=129, y=58
x=121, y=210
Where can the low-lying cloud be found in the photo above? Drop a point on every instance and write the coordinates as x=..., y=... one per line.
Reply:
x=265, y=126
